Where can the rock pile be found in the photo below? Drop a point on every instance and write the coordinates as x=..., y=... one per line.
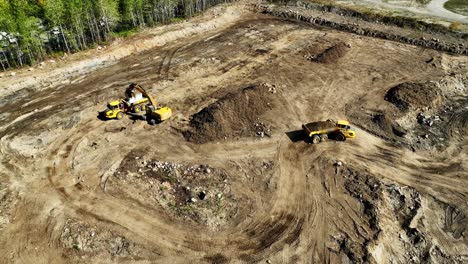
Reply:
x=427, y=119
x=198, y=192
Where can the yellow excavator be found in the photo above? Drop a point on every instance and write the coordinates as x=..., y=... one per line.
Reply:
x=138, y=100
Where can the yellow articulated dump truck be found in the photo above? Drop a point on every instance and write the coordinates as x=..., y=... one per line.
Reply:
x=320, y=131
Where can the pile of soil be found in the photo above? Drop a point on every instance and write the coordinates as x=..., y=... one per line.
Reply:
x=319, y=125
x=380, y=124
x=408, y=96
x=332, y=54
x=388, y=126
x=233, y=115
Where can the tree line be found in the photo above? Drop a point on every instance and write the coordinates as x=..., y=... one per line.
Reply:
x=32, y=30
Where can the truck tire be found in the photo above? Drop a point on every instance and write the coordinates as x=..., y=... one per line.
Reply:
x=119, y=115
x=323, y=137
x=152, y=122
x=137, y=109
x=340, y=137
x=315, y=139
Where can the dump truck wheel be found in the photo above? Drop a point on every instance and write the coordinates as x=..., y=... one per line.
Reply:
x=119, y=115
x=152, y=122
x=315, y=139
x=137, y=109
x=323, y=138
x=340, y=137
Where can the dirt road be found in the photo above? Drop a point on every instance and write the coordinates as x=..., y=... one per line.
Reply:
x=76, y=189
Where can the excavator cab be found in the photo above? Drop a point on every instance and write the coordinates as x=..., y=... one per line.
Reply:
x=154, y=116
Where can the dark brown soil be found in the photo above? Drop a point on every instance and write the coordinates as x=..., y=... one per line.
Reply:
x=332, y=54
x=233, y=115
x=388, y=125
x=408, y=96
x=379, y=124
x=320, y=125
x=456, y=223
x=367, y=190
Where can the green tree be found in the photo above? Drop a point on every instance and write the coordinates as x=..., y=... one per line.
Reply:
x=74, y=13
x=7, y=22
x=54, y=13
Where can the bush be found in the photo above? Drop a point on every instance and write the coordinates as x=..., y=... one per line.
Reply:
x=455, y=26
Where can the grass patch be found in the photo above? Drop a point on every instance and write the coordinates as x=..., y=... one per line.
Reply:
x=177, y=19
x=423, y=2
x=124, y=33
x=457, y=6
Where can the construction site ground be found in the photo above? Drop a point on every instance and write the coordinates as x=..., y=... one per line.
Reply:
x=230, y=177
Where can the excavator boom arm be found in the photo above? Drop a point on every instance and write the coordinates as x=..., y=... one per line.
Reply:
x=142, y=91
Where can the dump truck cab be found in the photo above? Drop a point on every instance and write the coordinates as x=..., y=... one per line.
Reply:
x=114, y=110
x=345, y=129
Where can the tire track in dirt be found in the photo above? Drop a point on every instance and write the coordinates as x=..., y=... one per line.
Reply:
x=83, y=202
x=264, y=236
x=309, y=207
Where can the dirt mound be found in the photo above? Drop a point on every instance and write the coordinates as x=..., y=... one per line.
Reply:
x=388, y=125
x=380, y=124
x=233, y=115
x=407, y=96
x=332, y=54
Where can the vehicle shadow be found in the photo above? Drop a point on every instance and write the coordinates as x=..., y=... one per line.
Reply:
x=296, y=135
x=102, y=116
x=299, y=135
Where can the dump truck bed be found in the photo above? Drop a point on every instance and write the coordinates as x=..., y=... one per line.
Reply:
x=318, y=126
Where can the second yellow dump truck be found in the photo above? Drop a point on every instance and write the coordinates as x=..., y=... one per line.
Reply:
x=322, y=130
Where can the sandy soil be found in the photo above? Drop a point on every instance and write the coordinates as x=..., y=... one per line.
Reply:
x=75, y=189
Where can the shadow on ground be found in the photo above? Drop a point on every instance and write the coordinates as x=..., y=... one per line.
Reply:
x=296, y=135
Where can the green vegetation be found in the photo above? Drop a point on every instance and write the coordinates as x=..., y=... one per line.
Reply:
x=124, y=33
x=457, y=6
x=455, y=26
x=32, y=30
x=423, y=2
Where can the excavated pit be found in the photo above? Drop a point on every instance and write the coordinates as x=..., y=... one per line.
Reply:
x=196, y=193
